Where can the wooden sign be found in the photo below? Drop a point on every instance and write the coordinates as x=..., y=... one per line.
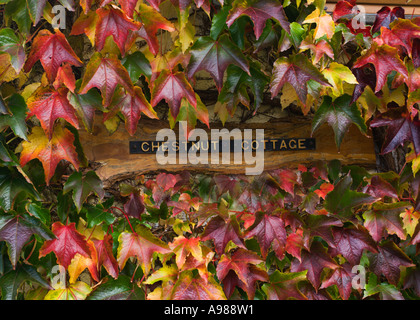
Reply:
x=115, y=161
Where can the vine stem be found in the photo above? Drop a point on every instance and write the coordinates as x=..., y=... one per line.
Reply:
x=126, y=217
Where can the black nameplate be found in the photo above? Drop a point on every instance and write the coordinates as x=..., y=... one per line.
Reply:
x=291, y=144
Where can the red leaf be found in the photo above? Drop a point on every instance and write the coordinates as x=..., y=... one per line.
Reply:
x=105, y=73
x=221, y=232
x=166, y=181
x=384, y=219
x=191, y=288
x=214, y=56
x=268, y=230
x=259, y=12
x=141, y=244
x=105, y=255
x=388, y=262
x=343, y=9
x=385, y=59
x=403, y=33
x=134, y=207
x=401, y=128
x=314, y=261
x=152, y=21
x=172, y=87
x=52, y=50
x=239, y=262
x=48, y=105
x=69, y=242
x=350, y=242
x=131, y=106
x=65, y=77
x=385, y=16
x=296, y=70
x=341, y=277
x=113, y=22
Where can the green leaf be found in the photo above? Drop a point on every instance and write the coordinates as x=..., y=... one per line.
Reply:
x=137, y=65
x=16, y=120
x=218, y=23
x=296, y=34
x=386, y=291
x=117, y=289
x=339, y=114
x=96, y=216
x=83, y=186
x=11, y=44
x=18, y=11
x=11, y=281
x=13, y=183
x=342, y=199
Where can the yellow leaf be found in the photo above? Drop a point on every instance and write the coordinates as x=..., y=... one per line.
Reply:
x=77, y=291
x=324, y=24
x=336, y=75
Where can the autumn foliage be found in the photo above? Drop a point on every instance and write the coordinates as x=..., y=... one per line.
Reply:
x=291, y=233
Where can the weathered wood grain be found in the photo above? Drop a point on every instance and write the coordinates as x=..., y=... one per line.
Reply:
x=112, y=151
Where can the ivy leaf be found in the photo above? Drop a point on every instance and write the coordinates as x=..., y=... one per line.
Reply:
x=141, y=244
x=172, y=87
x=238, y=269
x=48, y=105
x=314, y=261
x=259, y=12
x=386, y=291
x=79, y=263
x=17, y=230
x=385, y=59
x=65, y=78
x=183, y=247
x=401, y=128
x=52, y=50
x=85, y=105
x=16, y=119
x=117, y=289
x=18, y=11
x=152, y=21
x=283, y=286
x=384, y=219
x=339, y=114
x=12, y=183
x=134, y=207
x=296, y=70
x=83, y=186
x=78, y=291
x=221, y=232
x=388, y=261
x=324, y=24
x=365, y=76
x=350, y=242
x=105, y=73
x=131, y=106
x=11, y=44
x=49, y=152
x=69, y=242
x=105, y=256
x=385, y=16
x=214, y=56
x=11, y=281
x=402, y=33
x=342, y=199
x=269, y=230
x=189, y=287
x=137, y=65
x=341, y=277
x=336, y=74
x=113, y=22
x=239, y=261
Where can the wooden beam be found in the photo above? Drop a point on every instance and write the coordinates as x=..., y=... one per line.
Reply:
x=116, y=162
